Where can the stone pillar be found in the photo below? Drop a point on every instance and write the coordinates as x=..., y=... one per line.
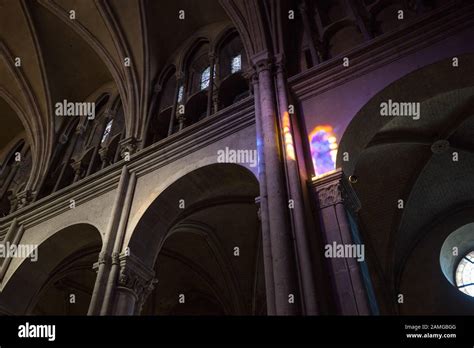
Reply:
x=179, y=82
x=297, y=213
x=283, y=260
x=105, y=157
x=307, y=29
x=135, y=283
x=79, y=131
x=335, y=198
x=212, y=62
x=153, y=112
x=22, y=199
x=118, y=246
x=103, y=264
x=79, y=170
x=263, y=205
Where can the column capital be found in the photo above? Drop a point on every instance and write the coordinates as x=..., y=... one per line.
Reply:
x=128, y=145
x=262, y=61
x=79, y=167
x=334, y=188
x=136, y=277
x=22, y=199
x=104, y=153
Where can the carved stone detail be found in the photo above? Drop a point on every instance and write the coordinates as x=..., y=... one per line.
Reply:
x=137, y=277
x=128, y=145
x=102, y=258
x=262, y=62
x=333, y=189
x=22, y=199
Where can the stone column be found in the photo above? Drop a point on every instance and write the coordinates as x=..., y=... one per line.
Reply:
x=335, y=198
x=263, y=205
x=118, y=246
x=135, y=283
x=153, y=112
x=284, y=268
x=212, y=62
x=307, y=29
x=79, y=131
x=179, y=82
x=103, y=264
x=297, y=214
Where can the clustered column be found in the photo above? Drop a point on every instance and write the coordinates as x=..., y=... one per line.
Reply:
x=334, y=195
x=135, y=283
x=285, y=282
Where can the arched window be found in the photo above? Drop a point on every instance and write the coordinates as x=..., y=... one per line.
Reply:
x=232, y=62
x=197, y=67
x=163, y=110
x=236, y=63
x=107, y=130
x=86, y=145
x=205, y=77
x=464, y=276
x=323, y=144
x=210, y=81
x=197, y=85
x=232, y=59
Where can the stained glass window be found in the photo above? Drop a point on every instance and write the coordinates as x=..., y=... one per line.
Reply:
x=205, y=77
x=107, y=130
x=465, y=274
x=180, y=94
x=236, y=64
x=323, y=144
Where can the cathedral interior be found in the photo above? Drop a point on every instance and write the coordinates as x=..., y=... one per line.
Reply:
x=236, y=161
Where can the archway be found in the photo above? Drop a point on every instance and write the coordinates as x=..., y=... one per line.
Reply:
x=411, y=173
x=201, y=235
x=61, y=280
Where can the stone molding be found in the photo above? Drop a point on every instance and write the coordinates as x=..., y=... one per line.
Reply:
x=136, y=277
x=334, y=188
x=210, y=130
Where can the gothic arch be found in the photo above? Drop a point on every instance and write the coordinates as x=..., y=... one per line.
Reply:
x=205, y=223
x=56, y=253
x=367, y=122
x=426, y=185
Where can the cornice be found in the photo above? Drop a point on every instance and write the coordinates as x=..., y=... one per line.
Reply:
x=422, y=32
x=210, y=130
x=334, y=188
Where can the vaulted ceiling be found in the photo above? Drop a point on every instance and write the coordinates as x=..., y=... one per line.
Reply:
x=399, y=158
x=69, y=55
